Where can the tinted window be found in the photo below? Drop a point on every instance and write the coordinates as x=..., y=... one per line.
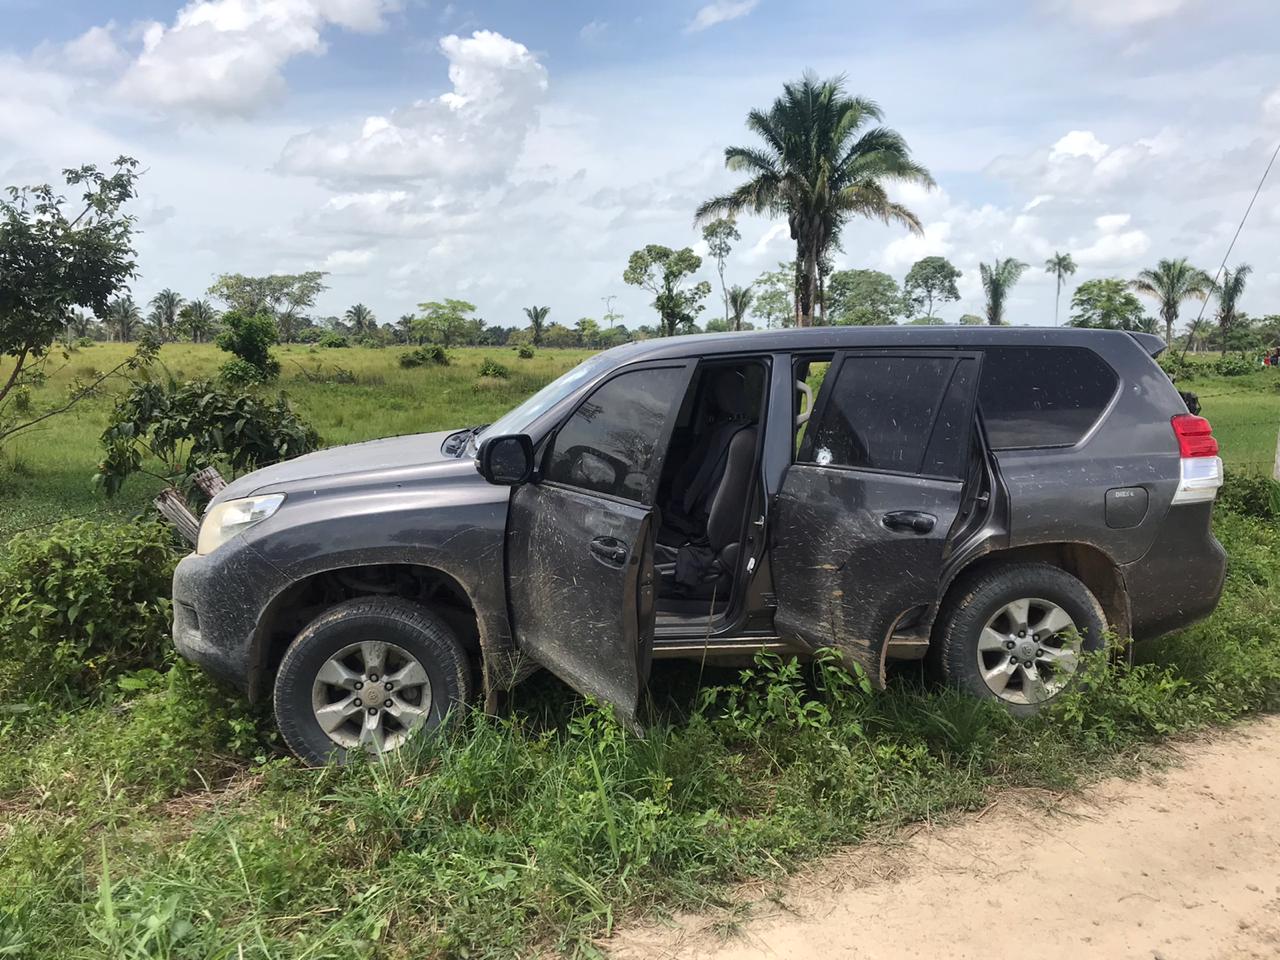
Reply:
x=609, y=445
x=881, y=412
x=1042, y=396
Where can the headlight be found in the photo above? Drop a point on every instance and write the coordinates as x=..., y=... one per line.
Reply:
x=234, y=516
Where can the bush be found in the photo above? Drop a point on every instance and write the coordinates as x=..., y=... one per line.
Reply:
x=428, y=355
x=1178, y=365
x=492, y=368
x=310, y=335
x=1250, y=495
x=525, y=352
x=249, y=336
x=1231, y=365
x=239, y=373
x=333, y=339
x=80, y=603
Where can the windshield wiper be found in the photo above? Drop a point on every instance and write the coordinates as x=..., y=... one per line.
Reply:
x=455, y=445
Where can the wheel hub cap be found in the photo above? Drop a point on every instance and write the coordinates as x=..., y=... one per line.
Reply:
x=372, y=695
x=1028, y=651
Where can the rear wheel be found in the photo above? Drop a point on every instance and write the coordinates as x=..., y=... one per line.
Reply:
x=1016, y=634
x=368, y=675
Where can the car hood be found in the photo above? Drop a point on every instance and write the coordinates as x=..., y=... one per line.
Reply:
x=353, y=463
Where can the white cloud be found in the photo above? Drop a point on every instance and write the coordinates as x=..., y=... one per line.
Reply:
x=226, y=56
x=1271, y=106
x=1079, y=143
x=910, y=247
x=719, y=12
x=95, y=49
x=472, y=133
x=345, y=261
x=1115, y=247
x=593, y=30
x=1124, y=13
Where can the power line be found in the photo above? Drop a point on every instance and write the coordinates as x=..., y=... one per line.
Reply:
x=1231, y=246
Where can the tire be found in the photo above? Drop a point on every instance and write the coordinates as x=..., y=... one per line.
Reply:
x=1031, y=673
x=330, y=669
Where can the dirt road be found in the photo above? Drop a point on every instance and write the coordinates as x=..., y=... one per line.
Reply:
x=1181, y=865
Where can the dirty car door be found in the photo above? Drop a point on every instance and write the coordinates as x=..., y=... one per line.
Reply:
x=860, y=527
x=580, y=567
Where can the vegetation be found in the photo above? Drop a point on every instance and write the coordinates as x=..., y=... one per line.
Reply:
x=929, y=281
x=664, y=273
x=997, y=279
x=865, y=298
x=819, y=167
x=249, y=336
x=284, y=297
x=1169, y=284
x=1061, y=265
x=720, y=236
x=1109, y=305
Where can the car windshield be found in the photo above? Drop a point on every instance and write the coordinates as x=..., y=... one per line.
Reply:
x=519, y=419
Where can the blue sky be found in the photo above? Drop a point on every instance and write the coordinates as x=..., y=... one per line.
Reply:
x=516, y=152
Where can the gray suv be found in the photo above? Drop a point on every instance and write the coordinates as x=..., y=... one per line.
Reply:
x=991, y=498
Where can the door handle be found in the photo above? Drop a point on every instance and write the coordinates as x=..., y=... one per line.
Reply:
x=912, y=521
x=610, y=549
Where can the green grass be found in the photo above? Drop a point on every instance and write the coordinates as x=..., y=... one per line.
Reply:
x=161, y=822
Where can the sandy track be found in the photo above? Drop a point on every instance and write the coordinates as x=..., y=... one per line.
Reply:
x=1181, y=865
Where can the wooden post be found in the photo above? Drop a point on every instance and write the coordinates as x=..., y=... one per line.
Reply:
x=1275, y=467
x=174, y=508
x=210, y=481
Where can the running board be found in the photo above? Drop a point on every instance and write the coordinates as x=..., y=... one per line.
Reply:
x=900, y=647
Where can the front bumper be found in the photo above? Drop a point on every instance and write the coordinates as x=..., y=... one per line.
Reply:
x=1179, y=580
x=218, y=601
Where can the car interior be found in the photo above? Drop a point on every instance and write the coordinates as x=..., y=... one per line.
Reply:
x=706, y=488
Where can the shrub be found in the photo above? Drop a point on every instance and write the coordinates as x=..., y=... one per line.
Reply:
x=82, y=602
x=1231, y=365
x=1250, y=495
x=427, y=355
x=239, y=373
x=310, y=335
x=525, y=352
x=249, y=336
x=189, y=426
x=333, y=339
x=492, y=368
x=1178, y=365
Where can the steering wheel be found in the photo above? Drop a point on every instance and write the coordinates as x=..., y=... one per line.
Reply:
x=803, y=416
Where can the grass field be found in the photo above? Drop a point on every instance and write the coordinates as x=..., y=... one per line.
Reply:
x=157, y=819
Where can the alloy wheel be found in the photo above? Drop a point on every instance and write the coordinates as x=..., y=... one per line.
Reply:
x=1028, y=651
x=372, y=695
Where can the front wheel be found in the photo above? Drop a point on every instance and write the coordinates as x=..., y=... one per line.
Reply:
x=1016, y=634
x=368, y=675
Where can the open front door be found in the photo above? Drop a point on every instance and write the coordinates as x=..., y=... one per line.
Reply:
x=861, y=526
x=580, y=539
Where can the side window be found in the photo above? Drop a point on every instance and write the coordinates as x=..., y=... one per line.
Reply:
x=609, y=444
x=880, y=413
x=1042, y=396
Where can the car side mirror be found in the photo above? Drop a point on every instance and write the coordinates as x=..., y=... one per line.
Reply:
x=507, y=460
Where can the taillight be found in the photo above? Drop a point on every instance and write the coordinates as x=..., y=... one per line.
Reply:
x=1195, y=436
x=1200, y=472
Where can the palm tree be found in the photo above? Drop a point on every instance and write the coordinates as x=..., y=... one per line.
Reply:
x=818, y=168
x=79, y=323
x=997, y=279
x=361, y=319
x=123, y=317
x=1171, y=282
x=1061, y=266
x=164, y=312
x=537, y=317
x=1229, y=290
x=739, y=303
x=198, y=318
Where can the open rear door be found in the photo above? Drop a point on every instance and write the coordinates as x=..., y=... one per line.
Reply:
x=861, y=526
x=580, y=544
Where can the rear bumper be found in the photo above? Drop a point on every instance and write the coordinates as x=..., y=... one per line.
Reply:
x=217, y=601
x=1179, y=580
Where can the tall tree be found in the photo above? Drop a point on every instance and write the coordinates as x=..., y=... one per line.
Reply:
x=1108, y=304
x=537, y=320
x=865, y=298
x=739, y=303
x=720, y=235
x=1061, y=266
x=997, y=279
x=197, y=319
x=775, y=297
x=123, y=318
x=930, y=280
x=663, y=272
x=1171, y=282
x=361, y=319
x=54, y=259
x=1229, y=290
x=445, y=322
x=164, y=313
x=286, y=296
x=819, y=168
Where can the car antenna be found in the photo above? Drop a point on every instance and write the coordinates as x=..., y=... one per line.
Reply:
x=1204, y=303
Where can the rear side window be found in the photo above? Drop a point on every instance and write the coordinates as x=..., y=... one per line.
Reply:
x=880, y=413
x=610, y=443
x=1042, y=396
